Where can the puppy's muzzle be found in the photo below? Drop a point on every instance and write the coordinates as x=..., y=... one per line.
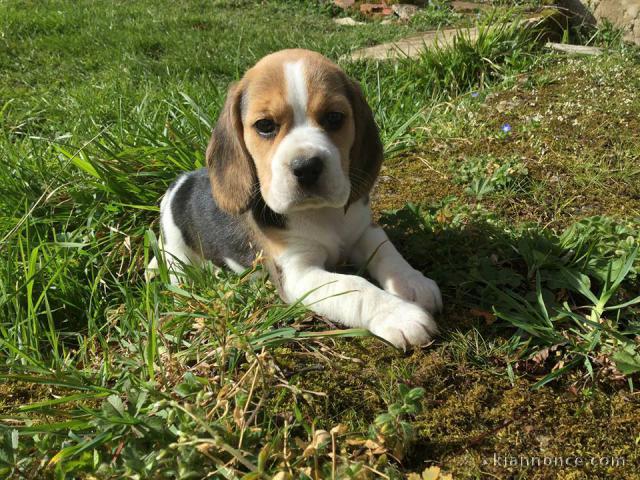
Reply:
x=307, y=170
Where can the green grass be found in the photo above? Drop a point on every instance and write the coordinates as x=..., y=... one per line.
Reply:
x=532, y=234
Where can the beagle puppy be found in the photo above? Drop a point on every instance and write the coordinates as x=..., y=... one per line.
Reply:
x=290, y=164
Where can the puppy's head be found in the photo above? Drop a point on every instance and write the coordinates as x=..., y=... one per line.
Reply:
x=297, y=131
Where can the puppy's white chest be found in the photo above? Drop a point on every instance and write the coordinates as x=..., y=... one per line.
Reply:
x=330, y=229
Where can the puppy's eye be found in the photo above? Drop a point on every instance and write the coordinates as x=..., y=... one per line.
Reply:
x=266, y=127
x=333, y=120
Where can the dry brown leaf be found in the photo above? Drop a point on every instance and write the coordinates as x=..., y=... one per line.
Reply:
x=319, y=437
x=431, y=473
x=541, y=356
x=339, y=429
x=487, y=316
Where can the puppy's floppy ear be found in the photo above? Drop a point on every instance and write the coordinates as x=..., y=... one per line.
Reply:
x=366, y=153
x=231, y=168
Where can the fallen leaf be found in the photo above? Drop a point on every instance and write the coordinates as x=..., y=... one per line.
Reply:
x=487, y=316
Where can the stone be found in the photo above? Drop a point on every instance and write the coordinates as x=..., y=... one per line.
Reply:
x=575, y=49
x=378, y=9
x=411, y=47
x=624, y=14
x=347, y=21
x=404, y=11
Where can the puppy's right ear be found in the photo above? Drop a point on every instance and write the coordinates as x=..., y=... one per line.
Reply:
x=231, y=168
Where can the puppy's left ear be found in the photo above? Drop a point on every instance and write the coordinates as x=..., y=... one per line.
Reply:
x=366, y=152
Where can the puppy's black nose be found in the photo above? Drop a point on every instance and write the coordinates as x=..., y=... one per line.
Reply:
x=307, y=170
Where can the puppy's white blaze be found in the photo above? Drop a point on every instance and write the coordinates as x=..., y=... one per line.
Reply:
x=296, y=90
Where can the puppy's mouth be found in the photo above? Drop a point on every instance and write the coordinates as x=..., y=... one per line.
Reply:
x=296, y=197
x=307, y=200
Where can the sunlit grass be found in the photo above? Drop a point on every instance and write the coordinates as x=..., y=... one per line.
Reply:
x=106, y=374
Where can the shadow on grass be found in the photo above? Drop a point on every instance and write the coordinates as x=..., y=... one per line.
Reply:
x=576, y=291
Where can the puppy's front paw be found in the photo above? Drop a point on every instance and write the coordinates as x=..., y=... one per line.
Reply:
x=404, y=325
x=413, y=286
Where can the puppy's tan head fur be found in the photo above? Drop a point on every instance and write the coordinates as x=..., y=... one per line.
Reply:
x=296, y=130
